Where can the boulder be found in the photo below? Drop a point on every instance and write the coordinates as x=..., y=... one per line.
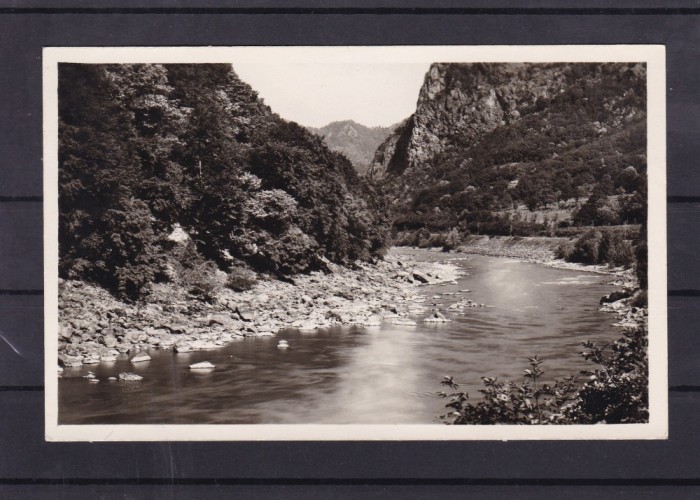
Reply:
x=420, y=277
x=246, y=314
x=372, y=321
x=175, y=327
x=166, y=342
x=615, y=296
x=91, y=359
x=140, y=358
x=65, y=331
x=110, y=340
x=204, y=365
x=403, y=322
x=132, y=336
x=218, y=319
x=70, y=360
x=436, y=317
x=203, y=345
x=183, y=347
x=130, y=377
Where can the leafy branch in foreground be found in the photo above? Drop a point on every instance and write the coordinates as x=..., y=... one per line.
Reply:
x=616, y=391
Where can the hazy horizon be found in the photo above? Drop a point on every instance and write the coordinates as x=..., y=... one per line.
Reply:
x=316, y=94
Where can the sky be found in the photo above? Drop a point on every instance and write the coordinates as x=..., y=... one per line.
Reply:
x=315, y=94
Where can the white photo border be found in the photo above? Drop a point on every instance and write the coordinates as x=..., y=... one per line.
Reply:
x=653, y=55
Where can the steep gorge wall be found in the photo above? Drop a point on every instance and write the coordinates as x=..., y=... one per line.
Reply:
x=460, y=103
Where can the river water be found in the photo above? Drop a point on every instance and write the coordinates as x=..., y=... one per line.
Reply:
x=379, y=375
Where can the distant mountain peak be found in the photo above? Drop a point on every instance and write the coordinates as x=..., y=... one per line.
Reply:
x=356, y=141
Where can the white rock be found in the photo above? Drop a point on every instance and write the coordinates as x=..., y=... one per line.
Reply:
x=403, y=321
x=91, y=359
x=130, y=377
x=178, y=234
x=166, y=343
x=436, y=318
x=372, y=321
x=184, y=347
x=139, y=358
x=203, y=345
x=204, y=365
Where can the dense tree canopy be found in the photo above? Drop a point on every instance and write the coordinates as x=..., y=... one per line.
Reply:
x=144, y=148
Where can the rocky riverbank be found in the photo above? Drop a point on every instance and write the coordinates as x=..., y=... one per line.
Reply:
x=531, y=248
x=95, y=327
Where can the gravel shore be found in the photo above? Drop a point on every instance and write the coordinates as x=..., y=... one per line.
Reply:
x=95, y=327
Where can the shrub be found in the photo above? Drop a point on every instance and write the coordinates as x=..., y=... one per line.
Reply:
x=240, y=280
x=564, y=250
x=639, y=299
x=616, y=391
x=615, y=251
x=587, y=248
x=200, y=280
x=452, y=240
x=598, y=247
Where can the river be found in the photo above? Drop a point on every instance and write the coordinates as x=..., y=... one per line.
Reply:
x=378, y=375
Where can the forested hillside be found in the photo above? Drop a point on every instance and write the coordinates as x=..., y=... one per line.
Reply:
x=357, y=142
x=174, y=172
x=519, y=149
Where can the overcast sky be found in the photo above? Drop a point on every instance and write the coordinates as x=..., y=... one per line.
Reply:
x=315, y=94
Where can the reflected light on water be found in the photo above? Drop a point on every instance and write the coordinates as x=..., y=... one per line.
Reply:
x=387, y=374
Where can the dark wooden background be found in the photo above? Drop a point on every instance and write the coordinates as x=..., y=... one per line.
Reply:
x=32, y=468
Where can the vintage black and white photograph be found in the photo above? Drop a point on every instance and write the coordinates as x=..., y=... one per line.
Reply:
x=355, y=243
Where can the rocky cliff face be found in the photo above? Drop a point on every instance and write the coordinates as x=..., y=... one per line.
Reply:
x=356, y=141
x=490, y=142
x=459, y=104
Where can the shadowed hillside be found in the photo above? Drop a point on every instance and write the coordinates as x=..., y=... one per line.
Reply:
x=177, y=172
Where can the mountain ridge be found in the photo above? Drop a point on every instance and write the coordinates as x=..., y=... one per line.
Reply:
x=356, y=141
